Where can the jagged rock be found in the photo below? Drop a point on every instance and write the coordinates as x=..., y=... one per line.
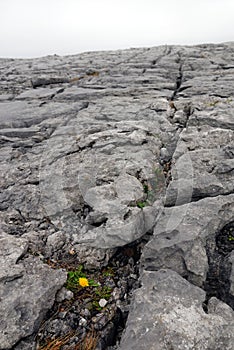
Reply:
x=43, y=81
x=27, y=291
x=12, y=250
x=181, y=235
x=167, y=313
x=90, y=143
x=99, y=200
x=40, y=93
x=18, y=114
x=203, y=165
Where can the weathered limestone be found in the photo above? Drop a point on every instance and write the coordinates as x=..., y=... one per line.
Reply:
x=168, y=313
x=99, y=149
x=28, y=290
x=112, y=166
x=181, y=234
x=203, y=161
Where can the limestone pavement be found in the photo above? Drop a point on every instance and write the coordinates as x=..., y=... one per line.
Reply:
x=102, y=148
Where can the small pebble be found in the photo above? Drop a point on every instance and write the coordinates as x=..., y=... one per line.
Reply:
x=85, y=312
x=103, y=302
x=64, y=294
x=83, y=322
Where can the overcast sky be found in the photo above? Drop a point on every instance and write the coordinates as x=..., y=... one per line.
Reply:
x=31, y=28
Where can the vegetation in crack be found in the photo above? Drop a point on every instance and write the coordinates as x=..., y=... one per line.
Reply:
x=153, y=187
x=96, y=313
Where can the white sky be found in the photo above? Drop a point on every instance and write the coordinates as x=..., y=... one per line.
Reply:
x=31, y=28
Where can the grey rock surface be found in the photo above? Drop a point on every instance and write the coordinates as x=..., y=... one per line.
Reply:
x=101, y=148
x=181, y=235
x=28, y=290
x=203, y=164
x=168, y=314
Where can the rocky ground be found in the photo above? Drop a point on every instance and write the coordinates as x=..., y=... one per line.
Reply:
x=117, y=200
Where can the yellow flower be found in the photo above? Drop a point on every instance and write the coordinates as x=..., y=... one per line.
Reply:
x=83, y=282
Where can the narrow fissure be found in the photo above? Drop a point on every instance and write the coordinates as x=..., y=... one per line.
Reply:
x=218, y=250
x=178, y=82
x=197, y=198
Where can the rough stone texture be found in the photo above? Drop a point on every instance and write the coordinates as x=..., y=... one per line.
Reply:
x=203, y=164
x=98, y=149
x=181, y=234
x=167, y=314
x=28, y=290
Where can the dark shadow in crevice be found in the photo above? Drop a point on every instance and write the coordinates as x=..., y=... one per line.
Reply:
x=217, y=282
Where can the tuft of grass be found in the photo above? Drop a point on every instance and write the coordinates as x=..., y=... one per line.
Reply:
x=57, y=343
x=93, y=74
x=88, y=343
x=88, y=74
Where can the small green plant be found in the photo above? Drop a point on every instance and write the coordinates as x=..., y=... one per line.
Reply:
x=108, y=273
x=230, y=238
x=73, y=278
x=96, y=306
x=141, y=204
x=92, y=283
x=102, y=292
x=77, y=281
x=152, y=188
x=77, y=278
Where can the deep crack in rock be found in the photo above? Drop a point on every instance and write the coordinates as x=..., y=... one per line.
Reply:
x=218, y=277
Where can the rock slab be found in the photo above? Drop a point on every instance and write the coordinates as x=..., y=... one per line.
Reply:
x=28, y=290
x=101, y=148
x=168, y=314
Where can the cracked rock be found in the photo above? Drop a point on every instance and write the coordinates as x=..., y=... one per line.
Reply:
x=103, y=150
x=28, y=290
x=180, y=237
x=167, y=313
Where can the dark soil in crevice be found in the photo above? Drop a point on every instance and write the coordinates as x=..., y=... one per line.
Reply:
x=217, y=282
x=73, y=321
x=178, y=83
